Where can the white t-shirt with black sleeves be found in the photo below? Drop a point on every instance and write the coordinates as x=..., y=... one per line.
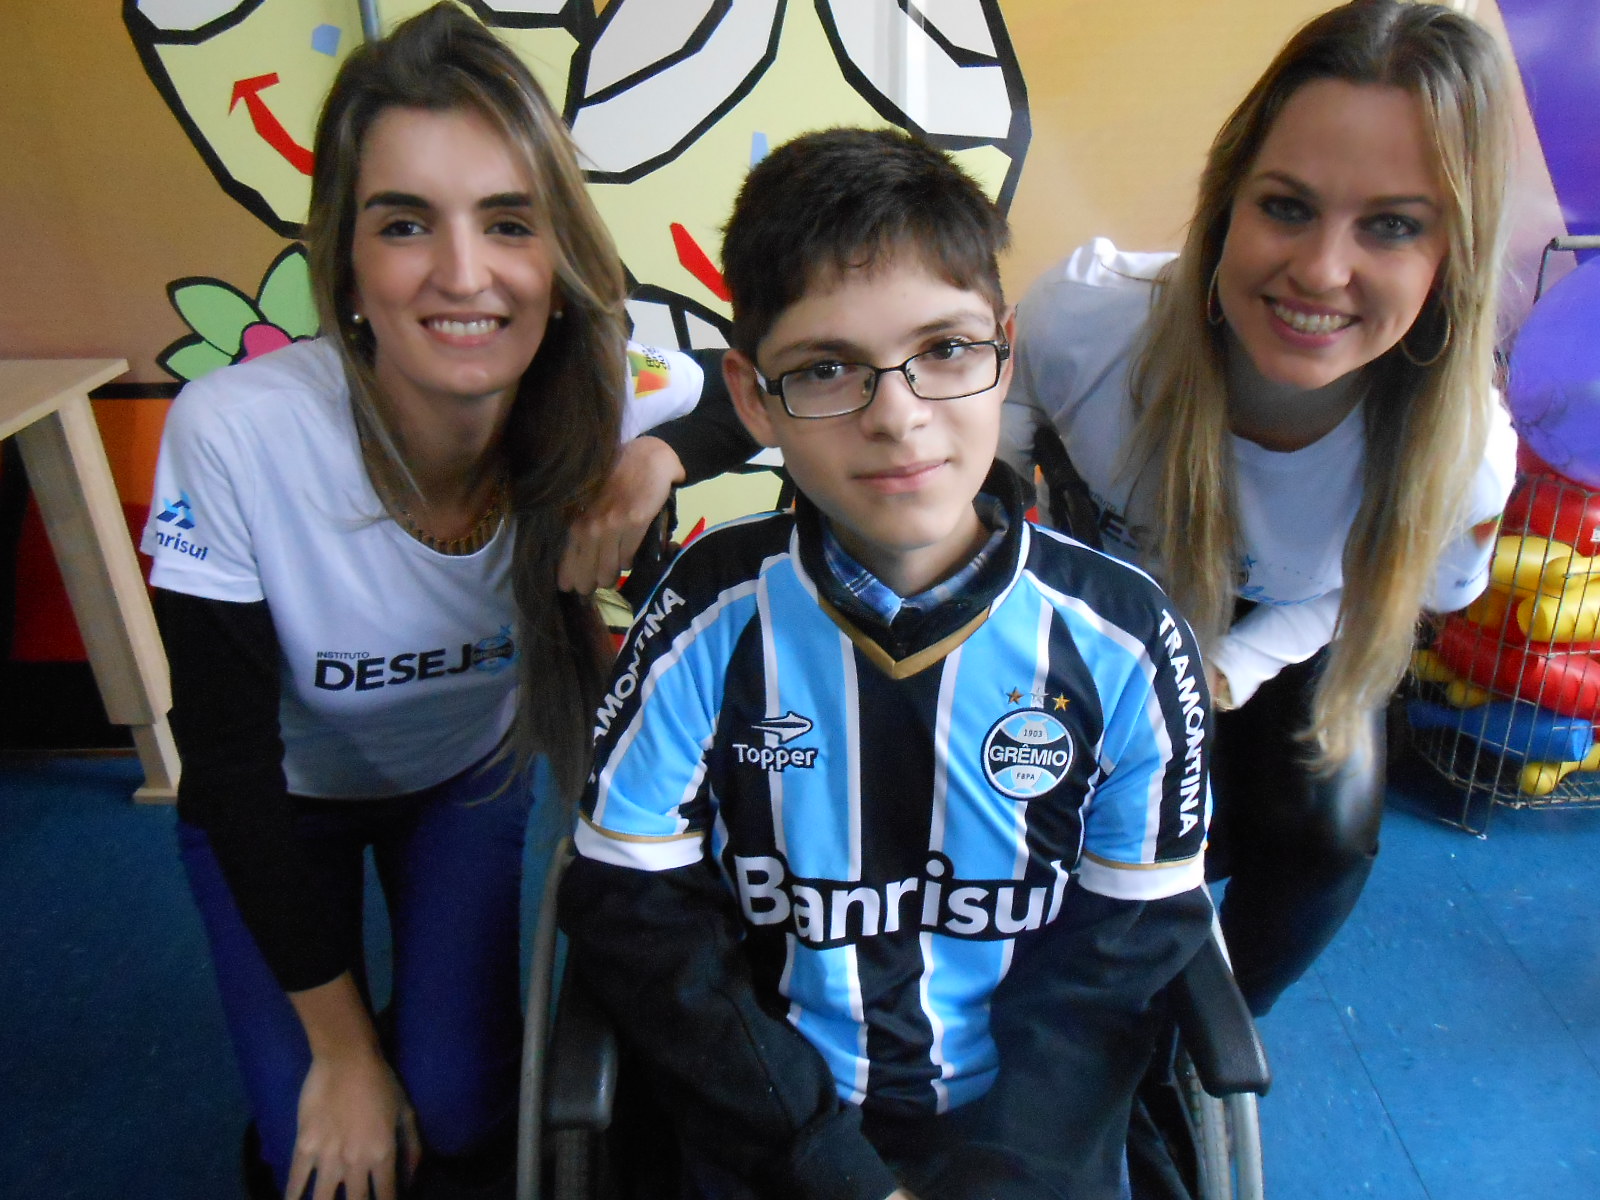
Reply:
x=397, y=662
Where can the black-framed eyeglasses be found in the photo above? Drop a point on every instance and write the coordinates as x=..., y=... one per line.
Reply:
x=949, y=371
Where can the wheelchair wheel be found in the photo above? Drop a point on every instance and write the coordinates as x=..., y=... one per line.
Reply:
x=1228, y=1140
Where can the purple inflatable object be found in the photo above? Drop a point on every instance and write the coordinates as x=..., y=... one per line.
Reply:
x=1554, y=390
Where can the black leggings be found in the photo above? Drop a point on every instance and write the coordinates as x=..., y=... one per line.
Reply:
x=1295, y=848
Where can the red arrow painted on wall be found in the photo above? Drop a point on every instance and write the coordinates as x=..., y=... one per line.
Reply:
x=698, y=263
x=266, y=121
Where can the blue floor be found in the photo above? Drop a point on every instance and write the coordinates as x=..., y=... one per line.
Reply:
x=1446, y=1047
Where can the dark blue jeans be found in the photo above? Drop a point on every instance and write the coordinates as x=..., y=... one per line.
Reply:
x=449, y=860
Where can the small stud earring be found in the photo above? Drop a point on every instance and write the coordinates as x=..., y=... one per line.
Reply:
x=356, y=318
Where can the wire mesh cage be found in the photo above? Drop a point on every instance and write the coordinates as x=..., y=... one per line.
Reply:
x=1504, y=696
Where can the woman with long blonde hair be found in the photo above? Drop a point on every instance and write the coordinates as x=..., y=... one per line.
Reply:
x=1293, y=425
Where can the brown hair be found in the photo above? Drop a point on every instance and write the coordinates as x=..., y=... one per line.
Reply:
x=841, y=198
x=561, y=437
x=1427, y=436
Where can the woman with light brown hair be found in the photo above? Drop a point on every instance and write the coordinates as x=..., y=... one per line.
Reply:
x=1293, y=425
x=377, y=613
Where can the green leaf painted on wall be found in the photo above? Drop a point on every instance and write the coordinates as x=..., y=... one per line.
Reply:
x=194, y=360
x=216, y=312
x=285, y=298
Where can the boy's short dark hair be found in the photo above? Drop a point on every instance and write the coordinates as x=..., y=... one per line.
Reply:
x=842, y=198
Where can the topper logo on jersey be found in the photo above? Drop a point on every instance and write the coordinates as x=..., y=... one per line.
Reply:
x=828, y=912
x=179, y=514
x=337, y=670
x=1027, y=753
x=778, y=757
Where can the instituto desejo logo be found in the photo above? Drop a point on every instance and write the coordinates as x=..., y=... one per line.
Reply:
x=1027, y=753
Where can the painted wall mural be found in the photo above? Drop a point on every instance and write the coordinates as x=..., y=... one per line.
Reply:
x=668, y=100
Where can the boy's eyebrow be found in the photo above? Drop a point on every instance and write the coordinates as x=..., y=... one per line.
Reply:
x=410, y=200
x=844, y=347
x=955, y=320
x=1305, y=192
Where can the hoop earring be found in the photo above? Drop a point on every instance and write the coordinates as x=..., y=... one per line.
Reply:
x=1214, y=313
x=1444, y=343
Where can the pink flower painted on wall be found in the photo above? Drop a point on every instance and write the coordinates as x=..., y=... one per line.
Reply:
x=231, y=327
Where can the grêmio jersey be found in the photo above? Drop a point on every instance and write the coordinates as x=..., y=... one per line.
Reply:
x=896, y=811
x=397, y=662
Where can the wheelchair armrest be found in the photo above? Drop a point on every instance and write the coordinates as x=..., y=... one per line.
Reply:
x=1215, y=1026
x=582, y=1077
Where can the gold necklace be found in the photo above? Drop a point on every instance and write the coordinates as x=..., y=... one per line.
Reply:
x=472, y=541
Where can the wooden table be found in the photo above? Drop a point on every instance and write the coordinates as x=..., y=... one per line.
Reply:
x=44, y=403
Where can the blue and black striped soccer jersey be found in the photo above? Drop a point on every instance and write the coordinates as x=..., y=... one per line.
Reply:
x=896, y=812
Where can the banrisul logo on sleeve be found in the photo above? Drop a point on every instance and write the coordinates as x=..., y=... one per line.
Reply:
x=1027, y=753
x=177, y=520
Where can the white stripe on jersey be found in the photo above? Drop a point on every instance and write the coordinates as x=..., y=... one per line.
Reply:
x=1121, y=882
x=1041, y=658
x=950, y=674
x=852, y=726
x=786, y=976
x=858, y=1010
x=1057, y=535
x=719, y=839
x=941, y=1090
x=769, y=669
x=1041, y=648
x=680, y=645
x=642, y=854
x=1156, y=719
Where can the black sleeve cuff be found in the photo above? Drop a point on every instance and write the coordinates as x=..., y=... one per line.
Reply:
x=710, y=439
x=832, y=1160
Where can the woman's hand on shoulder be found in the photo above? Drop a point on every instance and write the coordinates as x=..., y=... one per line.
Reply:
x=355, y=1124
x=1221, y=692
x=604, y=539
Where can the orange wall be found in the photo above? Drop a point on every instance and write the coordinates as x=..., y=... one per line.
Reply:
x=102, y=195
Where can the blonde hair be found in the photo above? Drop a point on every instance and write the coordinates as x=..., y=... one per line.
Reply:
x=561, y=437
x=1426, y=437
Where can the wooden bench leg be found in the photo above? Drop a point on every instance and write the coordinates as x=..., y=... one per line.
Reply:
x=82, y=513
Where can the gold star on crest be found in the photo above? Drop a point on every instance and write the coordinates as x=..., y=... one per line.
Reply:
x=1061, y=702
x=1014, y=696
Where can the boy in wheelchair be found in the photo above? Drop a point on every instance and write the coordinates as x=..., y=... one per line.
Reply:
x=895, y=828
